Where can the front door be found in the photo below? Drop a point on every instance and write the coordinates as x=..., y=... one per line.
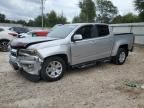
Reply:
x=83, y=50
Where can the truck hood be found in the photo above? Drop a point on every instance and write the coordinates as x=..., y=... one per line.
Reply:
x=26, y=42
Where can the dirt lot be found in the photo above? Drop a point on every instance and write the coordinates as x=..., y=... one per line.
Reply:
x=100, y=86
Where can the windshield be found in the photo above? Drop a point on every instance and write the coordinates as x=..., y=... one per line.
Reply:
x=56, y=26
x=62, y=31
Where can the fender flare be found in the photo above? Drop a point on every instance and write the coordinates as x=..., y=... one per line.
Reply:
x=4, y=40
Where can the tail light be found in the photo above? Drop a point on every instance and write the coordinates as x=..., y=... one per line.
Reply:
x=13, y=34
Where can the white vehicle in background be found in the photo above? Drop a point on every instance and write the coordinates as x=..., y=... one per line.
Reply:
x=34, y=33
x=38, y=33
x=5, y=37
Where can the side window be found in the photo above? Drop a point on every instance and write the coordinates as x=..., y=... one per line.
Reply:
x=85, y=31
x=102, y=30
x=1, y=29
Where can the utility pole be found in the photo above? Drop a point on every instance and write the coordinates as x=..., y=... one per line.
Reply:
x=42, y=6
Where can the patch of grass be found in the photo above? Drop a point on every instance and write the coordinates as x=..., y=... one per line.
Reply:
x=130, y=84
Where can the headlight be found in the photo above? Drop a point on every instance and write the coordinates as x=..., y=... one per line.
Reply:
x=27, y=51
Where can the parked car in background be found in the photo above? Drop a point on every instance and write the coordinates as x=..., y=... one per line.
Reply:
x=5, y=37
x=38, y=33
x=34, y=33
x=68, y=46
x=19, y=29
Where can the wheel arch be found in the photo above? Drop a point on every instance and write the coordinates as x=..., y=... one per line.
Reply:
x=45, y=76
x=119, y=45
x=63, y=56
x=125, y=46
x=4, y=40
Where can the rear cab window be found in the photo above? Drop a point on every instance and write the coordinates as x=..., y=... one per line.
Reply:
x=102, y=30
x=93, y=31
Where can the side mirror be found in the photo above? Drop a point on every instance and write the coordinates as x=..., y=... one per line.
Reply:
x=77, y=37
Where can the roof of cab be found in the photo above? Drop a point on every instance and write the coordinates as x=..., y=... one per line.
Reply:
x=82, y=24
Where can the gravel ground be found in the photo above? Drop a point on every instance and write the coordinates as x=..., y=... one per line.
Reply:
x=100, y=86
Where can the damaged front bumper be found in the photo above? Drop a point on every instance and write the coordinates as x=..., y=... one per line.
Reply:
x=29, y=66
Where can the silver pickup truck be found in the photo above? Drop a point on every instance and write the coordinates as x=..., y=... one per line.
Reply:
x=69, y=45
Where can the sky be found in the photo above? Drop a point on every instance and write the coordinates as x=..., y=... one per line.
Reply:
x=29, y=9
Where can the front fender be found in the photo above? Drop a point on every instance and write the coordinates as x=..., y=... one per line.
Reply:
x=55, y=50
x=6, y=37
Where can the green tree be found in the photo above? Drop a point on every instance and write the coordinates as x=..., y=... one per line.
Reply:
x=23, y=22
x=2, y=18
x=88, y=12
x=52, y=18
x=31, y=23
x=76, y=19
x=61, y=19
x=128, y=18
x=117, y=19
x=139, y=6
x=106, y=11
x=38, y=21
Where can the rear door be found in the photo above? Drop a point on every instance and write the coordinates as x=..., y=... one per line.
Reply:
x=103, y=41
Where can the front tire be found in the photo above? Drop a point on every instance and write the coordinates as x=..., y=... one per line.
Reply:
x=121, y=56
x=4, y=45
x=53, y=69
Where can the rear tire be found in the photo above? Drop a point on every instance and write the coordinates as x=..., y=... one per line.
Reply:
x=121, y=56
x=4, y=45
x=53, y=69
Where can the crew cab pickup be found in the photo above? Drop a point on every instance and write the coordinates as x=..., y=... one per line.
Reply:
x=69, y=45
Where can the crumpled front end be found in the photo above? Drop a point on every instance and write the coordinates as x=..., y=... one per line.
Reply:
x=27, y=62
